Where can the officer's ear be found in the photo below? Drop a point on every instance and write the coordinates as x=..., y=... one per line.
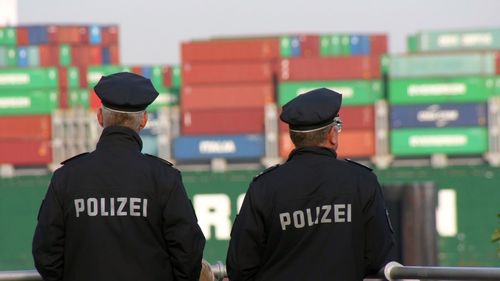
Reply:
x=333, y=137
x=100, y=118
x=144, y=120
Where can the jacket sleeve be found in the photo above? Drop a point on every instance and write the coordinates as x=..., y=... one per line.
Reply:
x=379, y=240
x=248, y=238
x=48, y=241
x=184, y=238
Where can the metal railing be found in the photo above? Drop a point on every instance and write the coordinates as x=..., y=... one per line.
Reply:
x=392, y=271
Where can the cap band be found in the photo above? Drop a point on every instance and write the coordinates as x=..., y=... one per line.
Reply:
x=312, y=130
x=120, y=111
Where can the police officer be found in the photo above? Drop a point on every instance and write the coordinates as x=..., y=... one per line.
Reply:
x=115, y=213
x=314, y=217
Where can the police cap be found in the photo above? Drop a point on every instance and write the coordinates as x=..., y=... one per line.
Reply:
x=311, y=111
x=125, y=91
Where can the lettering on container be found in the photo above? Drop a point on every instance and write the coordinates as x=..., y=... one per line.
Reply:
x=466, y=40
x=15, y=102
x=441, y=117
x=445, y=89
x=438, y=141
x=14, y=79
x=213, y=146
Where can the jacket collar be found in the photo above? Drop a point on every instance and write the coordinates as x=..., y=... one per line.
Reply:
x=317, y=150
x=118, y=136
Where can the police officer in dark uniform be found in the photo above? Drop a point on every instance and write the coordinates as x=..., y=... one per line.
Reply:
x=314, y=217
x=115, y=213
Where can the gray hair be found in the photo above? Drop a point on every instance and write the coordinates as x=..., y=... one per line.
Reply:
x=130, y=120
x=308, y=139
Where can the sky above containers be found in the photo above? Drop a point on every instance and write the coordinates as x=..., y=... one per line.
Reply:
x=151, y=30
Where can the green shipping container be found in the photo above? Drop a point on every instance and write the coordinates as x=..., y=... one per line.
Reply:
x=412, y=44
x=485, y=39
x=451, y=141
x=29, y=78
x=441, y=90
x=345, y=45
x=65, y=55
x=79, y=98
x=354, y=92
x=285, y=47
x=8, y=36
x=335, y=45
x=176, y=77
x=33, y=56
x=73, y=77
x=24, y=102
x=168, y=97
x=325, y=45
x=11, y=56
x=429, y=65
x=3, y=56
x=157, y=77
x=94, y=73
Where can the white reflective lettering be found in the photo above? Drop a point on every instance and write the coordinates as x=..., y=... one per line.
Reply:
x=338, y=211
x=327, y=209
x=112, y=206
x=285, y=220
x=122, y=201
x=145, y=208
x=298, y=219
x=92, y=208
x=79, y=206
x=104, y=213
x=135, y=207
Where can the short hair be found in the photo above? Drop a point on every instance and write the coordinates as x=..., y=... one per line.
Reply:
x=130, y=120
x=308, y=139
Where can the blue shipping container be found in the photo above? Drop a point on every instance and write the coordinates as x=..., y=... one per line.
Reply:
x=147, y=71
x=95, y=35
x=219, y=146
x=360, y=44
x=439, y=115
x=296, y=50
x=22, y=57
x=106, y=56
x=38, y=35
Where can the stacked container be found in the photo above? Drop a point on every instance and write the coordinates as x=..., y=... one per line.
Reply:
x=439, y=93
x=226, y=85
x=41, y=71
x=350, y=65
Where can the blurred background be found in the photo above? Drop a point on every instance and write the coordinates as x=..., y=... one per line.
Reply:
x=421, y=98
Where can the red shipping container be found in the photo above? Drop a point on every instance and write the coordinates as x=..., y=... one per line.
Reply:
x=378, y=44
x=62, y=73
x=498, y=63
x=94, y=101
x=63, y=98
x=80, y=55
x=352, y=144
x=68, y=34
x=330, y=68
x=241, y=121
x=136, y=70
x=226, y=96
x=109, y=35
x=25, y=152
x=30, y=127
x=114, y=53
x=231, y=50
x=202, y=73
x=47, y=55
x=84, y=83
x=95, y=55
x=22, y=36
x=309, y=45
x=83, y=32
x=167, y=76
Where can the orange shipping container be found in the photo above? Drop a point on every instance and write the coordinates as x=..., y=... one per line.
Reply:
x=231, y=50
x=31, y=127
x=25, y=152
x=352, y=144
x=227, y=96
x=242, y=72
x=219, y=122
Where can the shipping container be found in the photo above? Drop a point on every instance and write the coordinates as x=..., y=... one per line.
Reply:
x=451, y=141
x=167, y=76
x=231, y=96
x=354, y=92
x=3, y=56
x=8, y=36
x=234, y=72
x=94, y=73
x=449, y=65
x=109, y=35
x=441, y=90
x=38, y=35
x=352, y=144
x=25, y=152
x=22, y=36
x=360, y=44
x=237, y=121
x=330, y=68
x=484, y=39
x=29, y=78
x=94, y=101
x=68, y=34
x=94, y=35
x=231, y=50
x=22, y=57
x=33, y=127
x=24, y=102
x=309, y=45
x=65, y=58
x=167, y=97
x=78, y=98
x=11, y=56
x=176, y=76
x=240, y=147
x=33, y=56
x=152, y=126
x=378, y=44
x=439, y=115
